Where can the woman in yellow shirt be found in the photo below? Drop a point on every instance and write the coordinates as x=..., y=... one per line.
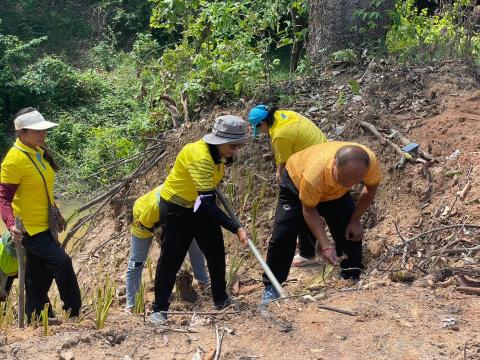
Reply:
x=146, y=219
x=26, y=191
x=290, y=132
x=189, y=210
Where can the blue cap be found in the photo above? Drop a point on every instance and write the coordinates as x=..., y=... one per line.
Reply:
x=256, y=116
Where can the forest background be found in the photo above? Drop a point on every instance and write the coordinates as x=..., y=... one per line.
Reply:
x=107, y=71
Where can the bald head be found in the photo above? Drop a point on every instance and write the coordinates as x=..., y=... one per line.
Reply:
x=351, y=165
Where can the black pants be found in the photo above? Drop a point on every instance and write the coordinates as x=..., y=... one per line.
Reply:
x=289, y=222
x=180, y=226
x=46, y=261
x=306, y=242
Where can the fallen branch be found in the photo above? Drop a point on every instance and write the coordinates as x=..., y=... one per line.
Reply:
x=218, y=348
x=461, y=194
x=172, y=108
x=460, y=250
x=341, y=311
x=469, y=290
x=405, y=141
x=184, y=101
x=209, y=313
x=370, y=127
x=474, y=226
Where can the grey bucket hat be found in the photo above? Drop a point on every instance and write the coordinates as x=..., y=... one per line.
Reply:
x=227, y=129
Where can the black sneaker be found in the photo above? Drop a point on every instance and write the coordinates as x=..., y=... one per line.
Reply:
x=350, y=270
x=224, y=304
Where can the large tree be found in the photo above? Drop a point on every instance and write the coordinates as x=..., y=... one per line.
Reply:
x=339, y=24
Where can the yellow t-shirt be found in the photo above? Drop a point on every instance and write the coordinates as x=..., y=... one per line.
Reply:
x=194, y=171
x=291, y=133
x=311, y=170
x=30, y=202
x=146, y=213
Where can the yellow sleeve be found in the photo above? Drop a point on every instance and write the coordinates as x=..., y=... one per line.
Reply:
x=282, y=148
x=150, y=215
x=374, y=175
x=308, y=194
x=201, y=172
x=11, y=172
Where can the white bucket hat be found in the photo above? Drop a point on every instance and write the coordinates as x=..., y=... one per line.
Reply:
x=32, y=120
x=227, y=129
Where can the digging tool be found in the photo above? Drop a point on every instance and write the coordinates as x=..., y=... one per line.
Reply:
x=21, y=275
x=253, y=248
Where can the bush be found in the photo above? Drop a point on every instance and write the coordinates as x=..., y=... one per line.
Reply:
x=417, y=37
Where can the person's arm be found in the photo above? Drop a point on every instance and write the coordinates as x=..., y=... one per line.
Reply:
x=317, y=226
x=280, y=170
x=210, y=208
x=354, y=228
x=7, y=193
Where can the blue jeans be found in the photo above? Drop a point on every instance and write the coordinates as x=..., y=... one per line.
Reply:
x=138, y=255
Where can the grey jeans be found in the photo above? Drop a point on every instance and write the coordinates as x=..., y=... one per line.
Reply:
x=138, y=256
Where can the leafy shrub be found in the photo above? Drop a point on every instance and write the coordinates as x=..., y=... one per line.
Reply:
x=417, y=37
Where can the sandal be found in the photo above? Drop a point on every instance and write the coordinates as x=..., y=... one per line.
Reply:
x=300, y=261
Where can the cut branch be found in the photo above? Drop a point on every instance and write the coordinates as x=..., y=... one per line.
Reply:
x=172, y=108
x=370, y=127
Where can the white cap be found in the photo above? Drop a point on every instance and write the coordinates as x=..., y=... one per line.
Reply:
x=33, y=120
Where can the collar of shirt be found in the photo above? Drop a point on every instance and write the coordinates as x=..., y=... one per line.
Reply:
x=280, y=118
x=28, y=149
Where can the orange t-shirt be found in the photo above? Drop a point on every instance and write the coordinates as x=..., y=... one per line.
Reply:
x=311, y=170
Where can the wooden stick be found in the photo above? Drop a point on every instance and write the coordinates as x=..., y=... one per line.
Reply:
x=218, y=348
x=474, y=226
x=212, y=313
x=461, y=194
x=469, y=290
x=21, y=275
x=370, y=127
x=460, y=250
x=341, y=311
x=405, y=141
x=184, y=101
x=172, y=108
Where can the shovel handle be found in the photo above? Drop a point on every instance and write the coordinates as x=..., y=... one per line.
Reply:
x=253, y=248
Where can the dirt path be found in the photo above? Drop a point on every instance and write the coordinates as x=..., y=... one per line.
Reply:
x=395, y=321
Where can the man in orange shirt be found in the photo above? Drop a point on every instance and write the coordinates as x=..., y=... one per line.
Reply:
x=315, y=189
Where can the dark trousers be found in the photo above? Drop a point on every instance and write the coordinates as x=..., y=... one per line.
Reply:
x=306, y=242
x=46, y=261
x=289, y=222
x=180, y=225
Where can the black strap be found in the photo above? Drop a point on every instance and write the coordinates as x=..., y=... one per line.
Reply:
x=38, y=169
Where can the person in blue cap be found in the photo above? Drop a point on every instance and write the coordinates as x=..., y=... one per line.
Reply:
x=290, y=132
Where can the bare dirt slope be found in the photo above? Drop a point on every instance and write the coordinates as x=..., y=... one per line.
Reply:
x=439, y=108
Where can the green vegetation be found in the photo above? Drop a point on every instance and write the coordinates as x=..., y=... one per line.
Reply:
x=104, y=298
x=417, y=37
x=100, y=68
x=44, y=317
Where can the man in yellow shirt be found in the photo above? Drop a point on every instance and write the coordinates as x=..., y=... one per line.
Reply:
x=146, y=218
x=290, y=132
x=313, y=189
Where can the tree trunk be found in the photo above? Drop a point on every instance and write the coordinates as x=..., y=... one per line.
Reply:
x=332, y=25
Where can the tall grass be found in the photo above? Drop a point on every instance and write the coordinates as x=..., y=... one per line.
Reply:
x=44, y=317
x=236, y=262
x=6, y=314
x=104, y=298
x=139, y=306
